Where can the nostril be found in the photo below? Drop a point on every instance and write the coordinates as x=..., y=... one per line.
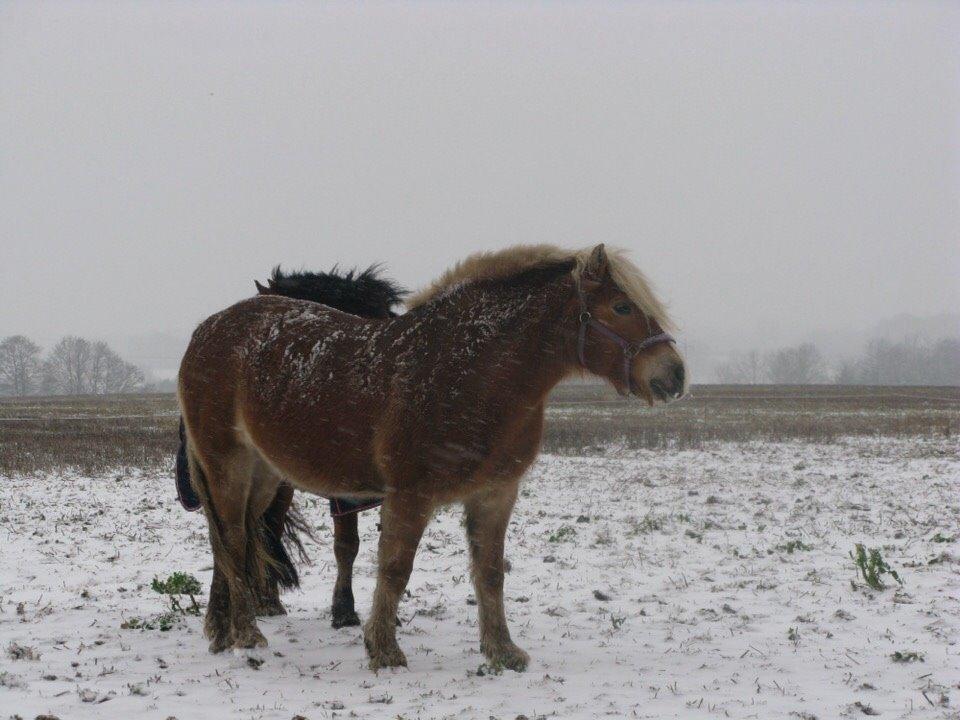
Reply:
x=679, y=374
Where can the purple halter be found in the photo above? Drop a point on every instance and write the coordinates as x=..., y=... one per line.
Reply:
x=630, y=350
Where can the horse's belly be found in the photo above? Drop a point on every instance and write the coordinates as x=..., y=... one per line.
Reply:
x=319, y=456
x=345, y=474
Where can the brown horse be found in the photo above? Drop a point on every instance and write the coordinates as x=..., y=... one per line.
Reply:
x=443, y=404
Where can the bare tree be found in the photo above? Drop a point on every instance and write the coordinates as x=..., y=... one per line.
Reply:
x=800, y=365
x=77, y=366
x=945, y=362
x=109, y=373
x=744, y=368
x=911, y=361
x=19, y=366
x=67, y=369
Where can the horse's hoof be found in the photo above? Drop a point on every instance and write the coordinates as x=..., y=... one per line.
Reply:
x=387, y=658
x=249, y=638
x=217, y=631
x=271, y=609
x=507, y=655
x=384, y=657
x=345, y=619
x=219, y=643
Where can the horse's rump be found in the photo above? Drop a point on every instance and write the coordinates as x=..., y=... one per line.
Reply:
x=362, y=293
x=295, y=386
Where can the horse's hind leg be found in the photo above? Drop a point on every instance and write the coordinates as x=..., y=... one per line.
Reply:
x=346, y=545
x=487, y=516
x=225, y=486
x=216, y=625
x=404, y=517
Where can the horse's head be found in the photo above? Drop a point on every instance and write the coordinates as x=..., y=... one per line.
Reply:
x=621, y=333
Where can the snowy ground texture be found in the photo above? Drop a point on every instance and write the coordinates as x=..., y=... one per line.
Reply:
x=643, y=584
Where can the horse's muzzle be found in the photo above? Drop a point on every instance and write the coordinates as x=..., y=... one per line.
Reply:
x=670, y=383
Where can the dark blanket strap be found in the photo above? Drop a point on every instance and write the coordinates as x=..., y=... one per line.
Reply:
x=346, y=506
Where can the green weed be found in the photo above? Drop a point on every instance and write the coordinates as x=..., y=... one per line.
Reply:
x=872, y=567
x=793, y=546
x=179, y=584
x=564, y=533
x=175, y=586
x=907, y=657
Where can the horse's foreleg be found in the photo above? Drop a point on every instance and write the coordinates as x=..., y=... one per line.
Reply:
x=403, y=518
x=487, y=516
x=346, y=545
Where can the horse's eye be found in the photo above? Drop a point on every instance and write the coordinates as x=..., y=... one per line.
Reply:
x=622, y=308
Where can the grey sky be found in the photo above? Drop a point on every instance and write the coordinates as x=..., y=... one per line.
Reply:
x=778, y=168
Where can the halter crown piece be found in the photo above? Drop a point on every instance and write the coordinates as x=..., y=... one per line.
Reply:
x=630, y=349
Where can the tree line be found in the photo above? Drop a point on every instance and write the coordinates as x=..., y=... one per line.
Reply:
x=74, y=366
x=77, y=366
x=911, y=361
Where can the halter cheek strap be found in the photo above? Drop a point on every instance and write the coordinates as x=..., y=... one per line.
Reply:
x=630, y=350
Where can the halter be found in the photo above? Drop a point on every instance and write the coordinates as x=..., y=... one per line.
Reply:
x=630, y=349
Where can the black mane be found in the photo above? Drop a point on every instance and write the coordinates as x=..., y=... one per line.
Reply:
x=358, y=292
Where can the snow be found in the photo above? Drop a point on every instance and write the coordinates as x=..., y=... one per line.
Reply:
x=707, y=614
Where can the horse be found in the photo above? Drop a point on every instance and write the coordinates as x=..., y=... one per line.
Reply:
x=442, y=404
x=366, y=294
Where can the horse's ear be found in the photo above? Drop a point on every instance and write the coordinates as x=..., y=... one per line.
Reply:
x=597, y=265
x=261, y=290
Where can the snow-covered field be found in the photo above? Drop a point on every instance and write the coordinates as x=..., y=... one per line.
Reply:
x=692, y=584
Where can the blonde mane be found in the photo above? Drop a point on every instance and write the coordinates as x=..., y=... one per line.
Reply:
x=516, y=259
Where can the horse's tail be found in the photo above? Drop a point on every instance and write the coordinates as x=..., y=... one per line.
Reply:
x=282, y=528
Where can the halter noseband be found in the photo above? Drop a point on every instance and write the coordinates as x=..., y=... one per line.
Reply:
x=630, y=350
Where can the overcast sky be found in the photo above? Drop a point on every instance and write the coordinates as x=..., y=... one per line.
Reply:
x=778, y=168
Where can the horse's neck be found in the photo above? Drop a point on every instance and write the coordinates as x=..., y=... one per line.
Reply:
x=552, y=356
x=525, y=330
